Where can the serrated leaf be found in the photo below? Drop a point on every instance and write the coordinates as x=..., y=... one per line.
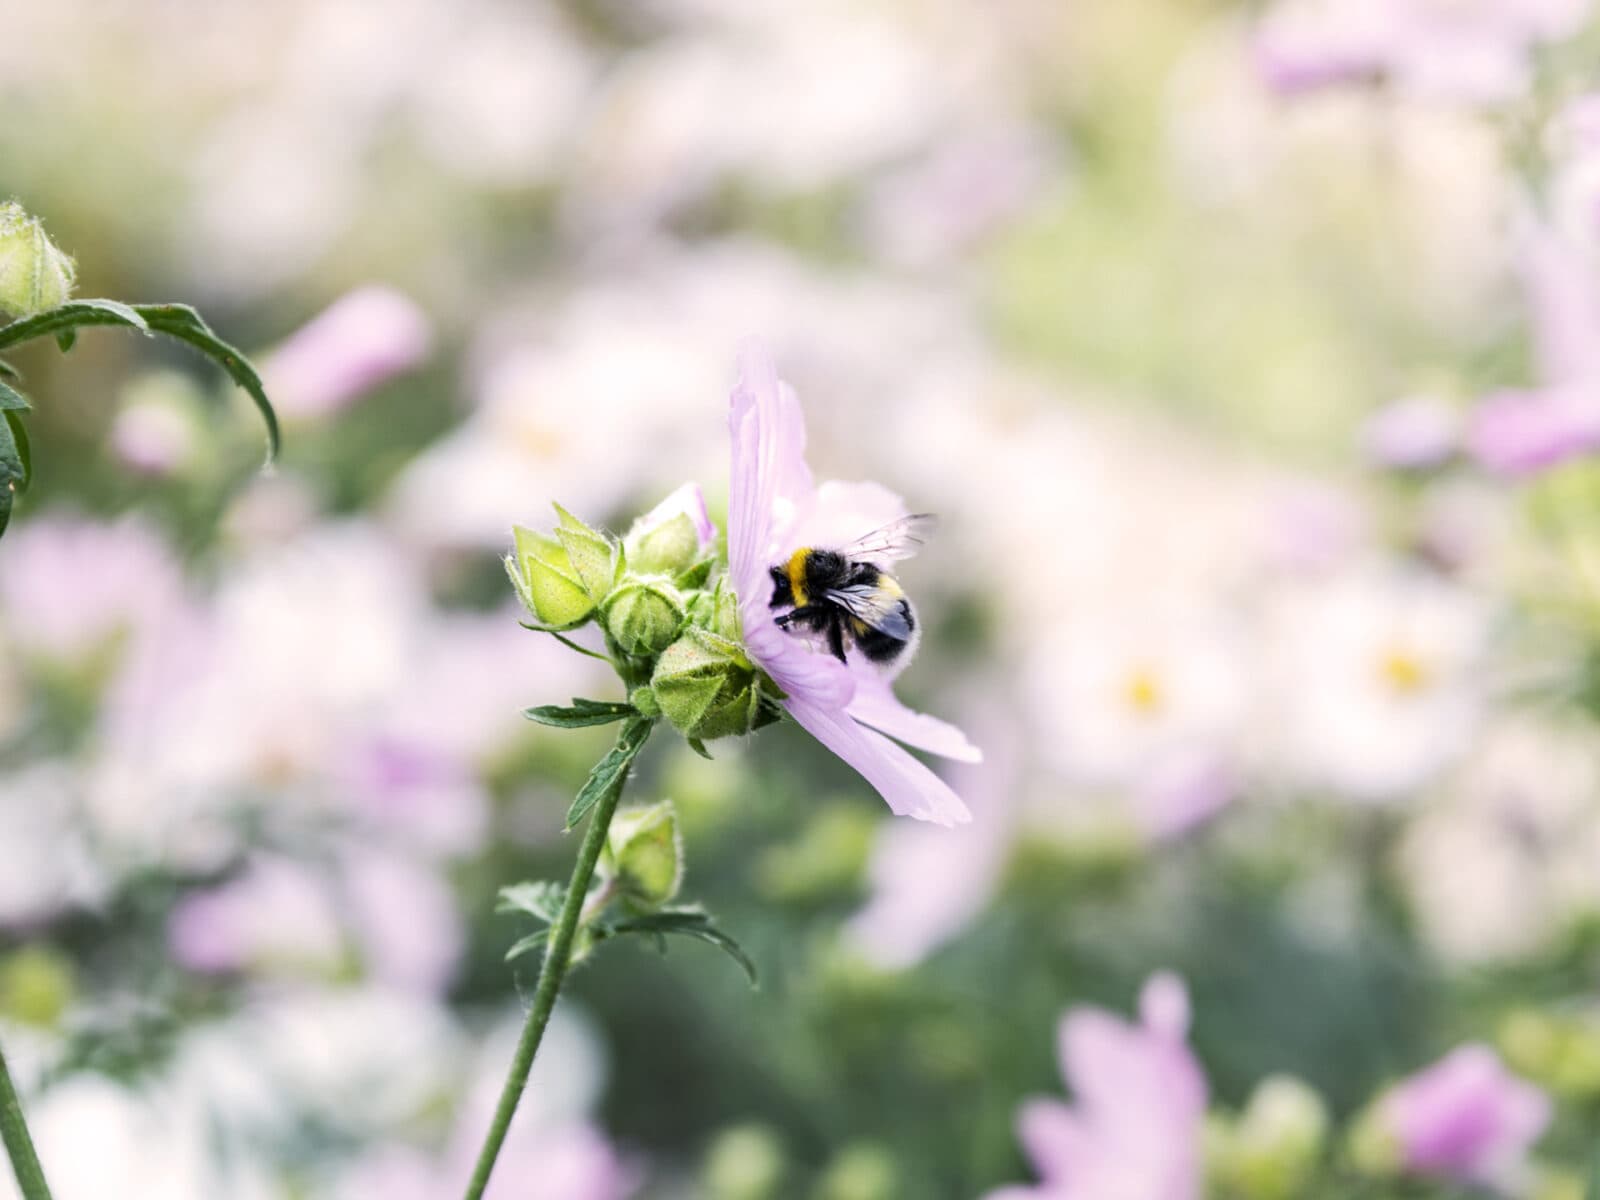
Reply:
x=611, y=770
x=532, y=942
x=687, y=922
x=580, y=714
x=537, y=898
x=12, y=400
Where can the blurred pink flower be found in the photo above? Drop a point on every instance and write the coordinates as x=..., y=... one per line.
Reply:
x=363, y=339
x=1413, y=432
x=571, y=1161
x=1465, y=1117
x=1135, y=1130
x=1520, y=432
x=773, y=509
x=75, y=584
x=277, y=913
x=1473, y=51
x=405, y=918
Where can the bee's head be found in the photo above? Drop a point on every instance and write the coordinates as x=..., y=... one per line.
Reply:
x=782, y=593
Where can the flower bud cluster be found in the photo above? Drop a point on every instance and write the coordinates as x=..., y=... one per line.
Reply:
x=673, y=635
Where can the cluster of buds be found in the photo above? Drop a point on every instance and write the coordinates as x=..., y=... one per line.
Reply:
x=34, y=273
x=670, y=625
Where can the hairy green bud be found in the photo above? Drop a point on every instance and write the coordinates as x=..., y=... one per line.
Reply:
x=644, y=616
x=707, y=688
x=34, y=273
x=668, y=547
x=561, y=577
x=644, y=854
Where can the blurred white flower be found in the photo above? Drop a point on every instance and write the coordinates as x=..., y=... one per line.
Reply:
x=1374, y=681
x=46, y=862
x=1501, y=865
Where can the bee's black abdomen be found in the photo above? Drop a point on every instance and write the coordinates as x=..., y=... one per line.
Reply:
x=880, y=647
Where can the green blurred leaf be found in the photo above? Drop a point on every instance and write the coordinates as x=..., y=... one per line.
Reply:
x=12, y=400
x=73, y=315
x=690, y=921
x=10, y=372
x=538, y=898
x=611, y=770
x=580, y=714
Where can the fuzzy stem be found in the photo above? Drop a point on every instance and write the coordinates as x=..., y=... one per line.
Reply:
x=19, y=1145
x=557, y=958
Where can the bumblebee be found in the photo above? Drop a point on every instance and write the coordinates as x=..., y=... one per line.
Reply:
x=845, y=597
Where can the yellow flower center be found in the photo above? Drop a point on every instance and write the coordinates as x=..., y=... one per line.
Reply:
x=1143, y=692
x=1404, y=672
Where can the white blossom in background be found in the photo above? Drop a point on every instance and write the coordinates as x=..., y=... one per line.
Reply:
x=1510, y=854
x=1374, y=681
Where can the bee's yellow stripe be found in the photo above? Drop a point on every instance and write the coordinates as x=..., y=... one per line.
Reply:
x=797, y=575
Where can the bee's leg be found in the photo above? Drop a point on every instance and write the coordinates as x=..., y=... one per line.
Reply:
x=836, y=638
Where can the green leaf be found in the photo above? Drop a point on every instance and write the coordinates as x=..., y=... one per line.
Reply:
x=75, y=314
x=9, y=372
x=16, y=463
x=612, y=770
x=690, y=921
x=19, y=432
x=537, y=898
x=698, y=747
x=12, y=400
x=581, y=713
x=532, y=942
x=183, y=323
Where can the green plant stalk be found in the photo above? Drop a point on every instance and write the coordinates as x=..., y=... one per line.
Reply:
x=19, y=1144
x=557, y=957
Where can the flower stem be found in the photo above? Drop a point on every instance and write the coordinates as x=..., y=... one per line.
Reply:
x=19, y=1145
x=556, y=959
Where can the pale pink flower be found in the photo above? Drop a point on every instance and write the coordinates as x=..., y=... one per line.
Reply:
x=362, y=340
x=1465, y=1118
x=775, y=508
x=1135, y=1130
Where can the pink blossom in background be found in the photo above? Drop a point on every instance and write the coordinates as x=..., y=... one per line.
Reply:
x=153, y=438
x=74, y=583
x=929, y=882
x=276, y=913
x=1465, y=1118
x=1411, y=433
x=1521, y=432
x=1470, y=51
x=773, y=509
x=362, y=340
x=404, y=917
x=1134, y=1130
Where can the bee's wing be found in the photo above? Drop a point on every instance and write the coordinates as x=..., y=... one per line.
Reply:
x=897, y=539
x=873, y=606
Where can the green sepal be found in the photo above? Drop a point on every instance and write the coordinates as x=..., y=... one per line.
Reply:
x=539, y=899
x=643, y=855
x=698, y=747
x=612, y=770
x=695, y=577
x=688, y=921
x=580, y=714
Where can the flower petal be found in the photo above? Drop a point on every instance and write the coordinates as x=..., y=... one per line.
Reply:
x=909, y=788
x=875, y=704
x=690, y=501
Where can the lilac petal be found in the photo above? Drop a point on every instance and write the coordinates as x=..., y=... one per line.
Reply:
x=875, y=704
x=365, y=338
x=909, y=788
x=768, y=469
x=839, y=513
x=1519, y=433
x=1164, y=1006
x=1053, y=1137
x=800, y=670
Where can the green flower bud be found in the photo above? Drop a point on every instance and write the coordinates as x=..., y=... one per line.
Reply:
x=708, y=689
x=34, y=274
x=745, y=1163
x=860, y=1172
x=36, y=987
x=643, y=854
x=644, y=616
x=1273, y=1149
x=667, y=548
x=561, y=577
